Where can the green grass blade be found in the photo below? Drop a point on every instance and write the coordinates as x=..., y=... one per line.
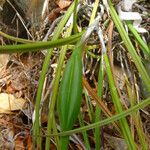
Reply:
x=36, y=125
x=36, y=46
x=114, y=94
x=89, y=105
x=117, y=102
x=96, y=4
x=85, y=135
x=75, y=28
x=145, y=77
x=56, y=85
x=136, y=116
x=109, y=120
x=142, y=44
x=98, y=110
x=15, y=38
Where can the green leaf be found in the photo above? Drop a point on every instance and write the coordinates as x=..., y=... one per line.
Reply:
x=70, y=94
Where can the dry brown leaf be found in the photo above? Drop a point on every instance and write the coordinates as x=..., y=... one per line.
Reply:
x=19, y=145
x=9, y=103
x=54, y=14
x=4, y=59
x=29, y=142
x=63, y=4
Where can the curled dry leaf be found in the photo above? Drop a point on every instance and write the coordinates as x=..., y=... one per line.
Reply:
x=9, y=103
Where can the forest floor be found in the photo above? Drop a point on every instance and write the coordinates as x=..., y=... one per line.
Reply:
x=20, y=74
